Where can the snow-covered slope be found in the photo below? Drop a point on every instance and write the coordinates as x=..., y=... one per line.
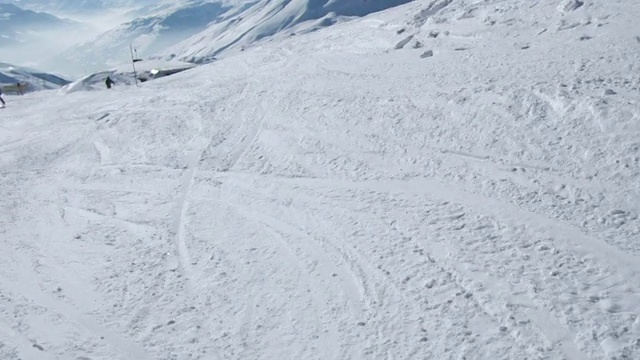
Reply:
x=197, y=31
x=35, y=79
x=160, y=28
x=266, y=19
x=443, y=180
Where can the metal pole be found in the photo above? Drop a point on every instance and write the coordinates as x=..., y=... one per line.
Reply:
x=133, y=63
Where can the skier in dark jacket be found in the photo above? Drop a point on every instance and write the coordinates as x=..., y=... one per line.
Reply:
x=1, y=99
x=20, y=88
x=109, y=82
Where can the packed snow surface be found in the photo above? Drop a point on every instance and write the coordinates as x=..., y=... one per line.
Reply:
x=443, y=180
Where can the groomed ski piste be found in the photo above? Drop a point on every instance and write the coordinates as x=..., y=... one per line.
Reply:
x=441, y=180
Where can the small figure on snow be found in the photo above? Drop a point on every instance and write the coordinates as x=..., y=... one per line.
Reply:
x=1, y=99
x=109, y=82
x=20, y=88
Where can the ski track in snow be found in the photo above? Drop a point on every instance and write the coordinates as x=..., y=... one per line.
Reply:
x=337, y=196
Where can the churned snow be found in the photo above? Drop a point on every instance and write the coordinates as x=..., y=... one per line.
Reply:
x=443, y=180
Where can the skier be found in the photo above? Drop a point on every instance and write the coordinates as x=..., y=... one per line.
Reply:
x=109, y=82
x=1, y=99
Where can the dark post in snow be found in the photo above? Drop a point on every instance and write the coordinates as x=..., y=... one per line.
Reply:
x=133, y=63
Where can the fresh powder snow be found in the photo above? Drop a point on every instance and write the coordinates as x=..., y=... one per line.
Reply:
x=444, y=179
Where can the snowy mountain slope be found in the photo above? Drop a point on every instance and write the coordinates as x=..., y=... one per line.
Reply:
x=34, y=79
x=160, y=28
x=80, y=6
x=331, y=197
x=28, y=37
x=268, y=18
x=18, y=25
x=197, y=31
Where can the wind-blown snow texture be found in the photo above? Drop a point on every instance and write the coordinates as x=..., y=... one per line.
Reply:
x=331, y=197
